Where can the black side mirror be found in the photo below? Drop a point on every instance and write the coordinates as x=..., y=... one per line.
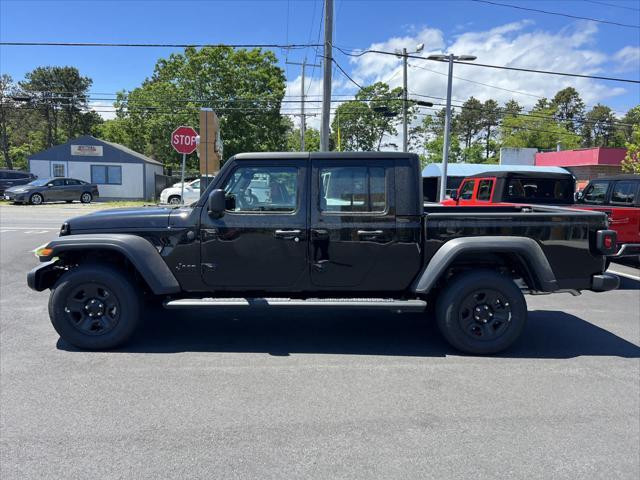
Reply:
x=216, y=202
x=454, y=195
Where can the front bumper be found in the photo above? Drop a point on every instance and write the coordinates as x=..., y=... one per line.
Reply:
x=604, y=282
x=15, y=197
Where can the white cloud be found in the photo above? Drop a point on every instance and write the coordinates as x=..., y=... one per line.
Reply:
x=628, y=59
x=512, y=44
x=105, y=109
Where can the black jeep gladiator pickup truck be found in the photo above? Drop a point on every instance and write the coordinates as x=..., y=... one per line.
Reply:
x=321, y=230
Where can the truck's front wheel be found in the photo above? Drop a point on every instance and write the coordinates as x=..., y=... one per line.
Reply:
x=481, y=312
x=94, y=307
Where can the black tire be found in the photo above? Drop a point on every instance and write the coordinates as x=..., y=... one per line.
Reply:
x=481, y=312
x=174, y=200
x=85, y=324
x=86, y=197
x=36, y=199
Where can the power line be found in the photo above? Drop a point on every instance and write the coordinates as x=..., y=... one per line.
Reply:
x=558, y=14
x=476, y=82
x=346, y=74
x=500, y=67
x=612, y=5
x=158, y=45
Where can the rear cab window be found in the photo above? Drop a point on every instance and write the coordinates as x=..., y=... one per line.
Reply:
x=539, y=190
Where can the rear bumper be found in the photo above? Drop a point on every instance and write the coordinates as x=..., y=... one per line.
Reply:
x=628, y=250
x=604, y=282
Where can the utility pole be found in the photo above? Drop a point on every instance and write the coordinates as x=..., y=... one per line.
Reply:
x=405, y=93
x=405, y=135
x=326, y=78
x=303, y=124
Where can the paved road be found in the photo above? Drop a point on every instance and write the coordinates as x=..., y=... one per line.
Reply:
x=303, y=395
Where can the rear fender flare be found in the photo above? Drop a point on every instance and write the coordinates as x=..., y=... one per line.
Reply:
x=526, y=248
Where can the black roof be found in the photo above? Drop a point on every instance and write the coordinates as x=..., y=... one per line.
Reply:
x=530, y=174
x=322, y=155
x=623, y=176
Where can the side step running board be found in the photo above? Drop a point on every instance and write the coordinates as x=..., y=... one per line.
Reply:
x=377, y=303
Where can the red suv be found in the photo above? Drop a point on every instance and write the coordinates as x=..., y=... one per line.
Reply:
x=619, y=198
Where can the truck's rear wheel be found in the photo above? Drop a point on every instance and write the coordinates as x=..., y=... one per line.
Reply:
x=481, y=312
x=94, y=307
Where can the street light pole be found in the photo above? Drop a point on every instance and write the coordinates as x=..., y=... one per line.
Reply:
x=405, y=135
x=447, y=131
x=447, y=118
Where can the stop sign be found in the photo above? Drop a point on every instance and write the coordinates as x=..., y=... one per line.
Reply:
x=183, y=140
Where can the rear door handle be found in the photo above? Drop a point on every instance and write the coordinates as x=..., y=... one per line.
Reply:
x=288, y=234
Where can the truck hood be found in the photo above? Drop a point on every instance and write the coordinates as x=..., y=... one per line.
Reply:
x=125, y=219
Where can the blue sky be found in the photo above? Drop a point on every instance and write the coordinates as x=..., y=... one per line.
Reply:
x=495, y=34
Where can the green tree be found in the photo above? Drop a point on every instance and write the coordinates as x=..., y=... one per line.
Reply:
x=311, y=140
x=631, y=162
x=244, y=87
x=490, y=119
x=512, y=108
x=538, y=129
x=61, y=94
x=7, y=90
x=598, y=128
x=569, y=108
x=470, y=121
x=362, y=123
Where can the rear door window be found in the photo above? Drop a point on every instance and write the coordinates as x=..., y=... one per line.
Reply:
x=624, y=192
x=353, y=189
x=596, y=192
x=484, y=190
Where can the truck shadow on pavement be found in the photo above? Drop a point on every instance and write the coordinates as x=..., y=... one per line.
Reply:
x=549, y=334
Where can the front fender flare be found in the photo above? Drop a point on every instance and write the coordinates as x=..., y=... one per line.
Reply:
x=140, y=252
x=526, y=248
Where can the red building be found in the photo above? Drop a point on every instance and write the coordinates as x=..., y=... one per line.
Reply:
x=585, y=163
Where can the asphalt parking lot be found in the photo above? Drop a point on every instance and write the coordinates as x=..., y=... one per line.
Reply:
x=314, y=395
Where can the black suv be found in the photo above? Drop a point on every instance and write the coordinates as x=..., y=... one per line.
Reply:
x=11, y=178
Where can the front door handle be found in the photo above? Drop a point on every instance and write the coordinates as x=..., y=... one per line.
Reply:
x=370, y=234
x=288, y=234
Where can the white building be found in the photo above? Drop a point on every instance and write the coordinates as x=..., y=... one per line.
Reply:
x=119, y=172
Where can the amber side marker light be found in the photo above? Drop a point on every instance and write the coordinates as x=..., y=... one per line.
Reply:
x=43, y=252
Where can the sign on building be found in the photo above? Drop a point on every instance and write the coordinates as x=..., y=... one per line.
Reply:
x=86, y=150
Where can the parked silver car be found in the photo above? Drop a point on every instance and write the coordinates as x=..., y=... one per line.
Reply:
x=52, y=190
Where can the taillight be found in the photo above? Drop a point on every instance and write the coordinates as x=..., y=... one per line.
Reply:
x=606, y=242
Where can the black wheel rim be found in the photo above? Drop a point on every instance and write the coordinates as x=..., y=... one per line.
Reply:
x=93, y=309
x=485, y=314
x=86, y=197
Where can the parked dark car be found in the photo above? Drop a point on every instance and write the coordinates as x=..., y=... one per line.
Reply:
x=12, y=178
x=336, y=230
x=52, y=190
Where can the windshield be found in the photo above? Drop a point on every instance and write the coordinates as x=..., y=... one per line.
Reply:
x=40, y=182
